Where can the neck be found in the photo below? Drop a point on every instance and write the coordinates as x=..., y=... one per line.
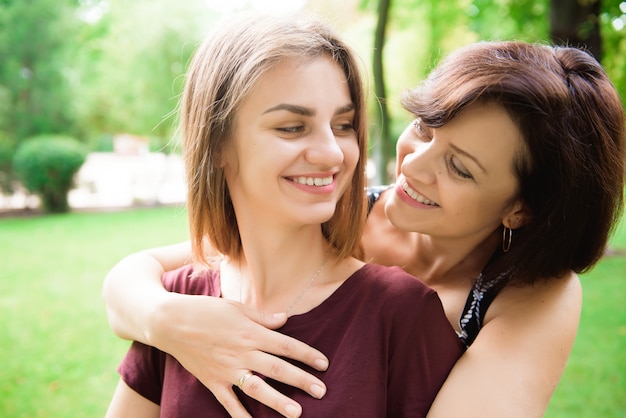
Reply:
x=443, y=262
x=274, y=270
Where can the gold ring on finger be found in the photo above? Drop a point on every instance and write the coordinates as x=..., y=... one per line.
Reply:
x=242, y=380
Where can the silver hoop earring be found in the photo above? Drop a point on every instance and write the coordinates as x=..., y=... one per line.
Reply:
x=507, y=237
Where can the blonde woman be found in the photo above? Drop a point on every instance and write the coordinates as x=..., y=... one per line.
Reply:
x=275, y=147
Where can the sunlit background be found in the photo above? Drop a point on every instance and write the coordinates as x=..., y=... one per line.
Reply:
x=106, y=75
x=109, y=74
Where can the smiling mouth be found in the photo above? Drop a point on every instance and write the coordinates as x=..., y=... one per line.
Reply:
x=416, y=196
x=313, y=181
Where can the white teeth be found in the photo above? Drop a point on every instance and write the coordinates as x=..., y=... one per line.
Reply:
x=417, y=197
x=314, y=181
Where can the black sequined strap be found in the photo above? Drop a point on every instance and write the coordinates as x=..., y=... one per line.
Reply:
x=476, y=305
x=373, y=194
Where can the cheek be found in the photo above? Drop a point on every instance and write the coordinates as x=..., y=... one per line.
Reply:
x=351, y=154
x=474, y=209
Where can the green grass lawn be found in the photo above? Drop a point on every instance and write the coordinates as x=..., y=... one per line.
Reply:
x=58, y=356
x=594, y=381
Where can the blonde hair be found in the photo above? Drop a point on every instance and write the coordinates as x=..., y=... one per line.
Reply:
x=225, y=68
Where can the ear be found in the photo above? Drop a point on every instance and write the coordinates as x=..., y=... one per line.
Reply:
x=517, y=216
x=222, y=160
x=225, y=154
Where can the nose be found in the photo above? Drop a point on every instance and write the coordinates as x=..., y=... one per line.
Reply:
x=324, y=149
x=417, y=160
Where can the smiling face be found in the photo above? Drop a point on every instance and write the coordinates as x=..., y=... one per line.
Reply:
x=294, y=147
x=457, y=181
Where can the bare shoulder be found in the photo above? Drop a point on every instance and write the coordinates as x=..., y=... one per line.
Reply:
x=518, y=357
x=535, y=321
x=550, y=300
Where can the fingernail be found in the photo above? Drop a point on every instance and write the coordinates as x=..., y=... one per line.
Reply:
x=292, y=410
x=318, y=391
x=321, y=364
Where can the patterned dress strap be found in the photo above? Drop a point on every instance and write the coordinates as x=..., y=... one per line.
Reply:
x=476, y=305
x=373, y=194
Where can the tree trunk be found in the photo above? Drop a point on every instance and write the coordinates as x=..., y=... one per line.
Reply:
x=384, y=144
x=575, y=23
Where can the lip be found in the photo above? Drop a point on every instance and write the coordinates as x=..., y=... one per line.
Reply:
x=404, y=195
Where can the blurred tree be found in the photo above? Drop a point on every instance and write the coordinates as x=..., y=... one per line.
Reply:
x=576, y=22
x=613, y=32
x=36, y=39
x=93, y=68
x=135, y=63
x=510, y=19
x=384, y=141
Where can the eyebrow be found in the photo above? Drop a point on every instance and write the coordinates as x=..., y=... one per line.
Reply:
x=468, y=155
x=306, y=111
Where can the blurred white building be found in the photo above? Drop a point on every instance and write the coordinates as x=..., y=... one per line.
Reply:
x=116, y=179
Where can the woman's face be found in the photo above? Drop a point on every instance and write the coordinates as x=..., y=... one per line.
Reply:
x=294, y=149
x=457, y=181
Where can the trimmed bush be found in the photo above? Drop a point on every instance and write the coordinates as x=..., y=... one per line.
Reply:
x=46, y=165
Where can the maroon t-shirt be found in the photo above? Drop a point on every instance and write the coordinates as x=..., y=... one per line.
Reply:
x=385, y=333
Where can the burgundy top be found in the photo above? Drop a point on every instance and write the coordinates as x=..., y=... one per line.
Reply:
x=385, y=333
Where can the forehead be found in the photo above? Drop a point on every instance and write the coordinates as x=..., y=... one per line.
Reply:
x=318, y=82
x=296, y=67
x=486, y=131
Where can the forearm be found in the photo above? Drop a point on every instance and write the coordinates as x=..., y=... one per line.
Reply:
x=133, y=292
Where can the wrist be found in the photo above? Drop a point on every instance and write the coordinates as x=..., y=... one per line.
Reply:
x=159, y=319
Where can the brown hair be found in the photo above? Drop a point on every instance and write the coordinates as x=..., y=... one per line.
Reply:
x=223, y=71
x=570, y=169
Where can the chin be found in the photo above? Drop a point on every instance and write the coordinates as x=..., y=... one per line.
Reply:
x=396, y=216
x=321, y=216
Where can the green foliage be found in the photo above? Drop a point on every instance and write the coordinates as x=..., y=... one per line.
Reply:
x=96, y=68
x=47, y=165
x=36, y=67
x=526, y=20
x=136, y=56
x=594, y=381
x=613, y=30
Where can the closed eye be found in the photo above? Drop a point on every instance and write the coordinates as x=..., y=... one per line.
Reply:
x=459, y=170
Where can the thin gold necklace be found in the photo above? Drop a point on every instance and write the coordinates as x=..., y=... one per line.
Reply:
x=307, y=287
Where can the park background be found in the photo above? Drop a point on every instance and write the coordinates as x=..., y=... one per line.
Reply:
x=108, y=73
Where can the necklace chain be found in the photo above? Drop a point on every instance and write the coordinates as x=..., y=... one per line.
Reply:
x=307, y=287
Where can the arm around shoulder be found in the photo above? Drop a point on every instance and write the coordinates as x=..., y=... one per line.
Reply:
x=516, y=362
x=133, y=291
x=213, y=338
